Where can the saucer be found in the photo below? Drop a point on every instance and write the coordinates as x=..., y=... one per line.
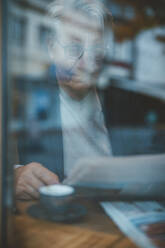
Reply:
x=74, y=213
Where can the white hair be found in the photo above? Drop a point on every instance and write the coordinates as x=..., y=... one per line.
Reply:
x=93, y=8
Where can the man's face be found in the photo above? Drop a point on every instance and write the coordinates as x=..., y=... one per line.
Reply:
x=77, y=52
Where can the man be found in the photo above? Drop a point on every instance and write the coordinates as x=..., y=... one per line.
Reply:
x=77, y=51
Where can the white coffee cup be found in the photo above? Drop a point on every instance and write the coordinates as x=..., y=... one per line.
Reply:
x=56, y=197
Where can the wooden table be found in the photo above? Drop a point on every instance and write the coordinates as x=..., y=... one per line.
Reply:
x=95, y=230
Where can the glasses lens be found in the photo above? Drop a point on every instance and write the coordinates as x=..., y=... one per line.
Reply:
x=74, y=51
x=97, y=53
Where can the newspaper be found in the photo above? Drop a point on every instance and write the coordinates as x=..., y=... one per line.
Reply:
x=141, y=175
x=143, y=222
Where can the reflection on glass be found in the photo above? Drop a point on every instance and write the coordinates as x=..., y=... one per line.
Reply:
x=84, y=85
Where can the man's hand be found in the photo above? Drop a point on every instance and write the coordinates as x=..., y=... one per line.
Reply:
x=29, y=178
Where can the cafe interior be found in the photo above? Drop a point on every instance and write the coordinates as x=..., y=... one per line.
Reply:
x=82, y=124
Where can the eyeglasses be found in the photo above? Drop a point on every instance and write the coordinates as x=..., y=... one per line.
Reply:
x=76, y=51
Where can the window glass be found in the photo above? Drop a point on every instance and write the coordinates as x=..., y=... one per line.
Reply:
x=44, y=36
x=18, y=30
x=85, y=81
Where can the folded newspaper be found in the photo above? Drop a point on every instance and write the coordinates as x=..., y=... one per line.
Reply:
x=132, y=176
x=143, y=222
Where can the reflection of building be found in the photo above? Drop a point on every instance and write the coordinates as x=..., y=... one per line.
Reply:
x=29, y=32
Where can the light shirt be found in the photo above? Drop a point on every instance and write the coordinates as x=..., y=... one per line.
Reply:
x=83, y=128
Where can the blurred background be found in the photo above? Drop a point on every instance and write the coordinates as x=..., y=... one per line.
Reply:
x=131, y=86
x=132, y=82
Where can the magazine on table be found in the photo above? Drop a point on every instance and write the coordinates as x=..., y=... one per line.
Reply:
x=143, y=222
